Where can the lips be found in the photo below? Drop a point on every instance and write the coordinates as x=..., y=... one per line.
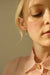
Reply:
x=47, y=32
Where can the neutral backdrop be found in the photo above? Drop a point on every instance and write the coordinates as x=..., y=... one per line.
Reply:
x=10, y=44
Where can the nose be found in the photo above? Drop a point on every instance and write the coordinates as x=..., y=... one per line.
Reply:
x=47, y=17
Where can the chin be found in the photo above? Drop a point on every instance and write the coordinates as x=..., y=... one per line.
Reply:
x=45, y=43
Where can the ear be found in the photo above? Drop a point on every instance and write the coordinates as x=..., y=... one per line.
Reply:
x=21, y=23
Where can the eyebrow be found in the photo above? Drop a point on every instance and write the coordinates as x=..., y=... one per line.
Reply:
x=36, y=5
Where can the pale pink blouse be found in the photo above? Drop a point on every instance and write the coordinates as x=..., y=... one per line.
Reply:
x=26, y=65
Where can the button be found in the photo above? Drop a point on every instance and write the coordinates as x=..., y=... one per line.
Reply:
x=39, y=66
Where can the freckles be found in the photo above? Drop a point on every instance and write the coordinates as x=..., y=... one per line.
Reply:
x=31, y=26
x=32, y=23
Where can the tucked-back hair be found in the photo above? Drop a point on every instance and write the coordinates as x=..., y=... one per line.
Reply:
x=19, y=13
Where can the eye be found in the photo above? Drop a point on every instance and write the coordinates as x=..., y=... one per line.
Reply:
x=37, y=15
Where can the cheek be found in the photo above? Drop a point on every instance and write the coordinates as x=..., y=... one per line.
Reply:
x=33, y=25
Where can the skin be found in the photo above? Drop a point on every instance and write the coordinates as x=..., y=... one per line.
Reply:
x=36, y=26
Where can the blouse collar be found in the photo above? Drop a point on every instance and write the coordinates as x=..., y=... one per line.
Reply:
x=31, y=64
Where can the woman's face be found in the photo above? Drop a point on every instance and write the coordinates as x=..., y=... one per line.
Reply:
x=37, y=20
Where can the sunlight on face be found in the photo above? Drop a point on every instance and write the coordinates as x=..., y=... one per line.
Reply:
x=37, y=18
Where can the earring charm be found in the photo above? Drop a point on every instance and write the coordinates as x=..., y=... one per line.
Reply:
x=26, y=33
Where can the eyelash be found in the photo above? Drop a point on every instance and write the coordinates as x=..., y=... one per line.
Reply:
x=37, y=15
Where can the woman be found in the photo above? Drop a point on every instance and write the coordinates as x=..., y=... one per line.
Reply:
x=33, y=16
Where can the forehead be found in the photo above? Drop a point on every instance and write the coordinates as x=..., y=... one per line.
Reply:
x=34, y=2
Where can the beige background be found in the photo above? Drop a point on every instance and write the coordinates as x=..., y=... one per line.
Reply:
x=10, y=44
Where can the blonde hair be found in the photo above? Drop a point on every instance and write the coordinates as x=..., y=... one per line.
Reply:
x=19, y=13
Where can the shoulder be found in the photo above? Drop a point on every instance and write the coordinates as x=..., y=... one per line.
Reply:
x=12, y=66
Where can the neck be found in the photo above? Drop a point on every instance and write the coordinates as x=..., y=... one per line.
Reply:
x=41, y=52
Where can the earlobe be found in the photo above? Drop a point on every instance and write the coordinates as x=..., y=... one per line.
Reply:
x=21, y=23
